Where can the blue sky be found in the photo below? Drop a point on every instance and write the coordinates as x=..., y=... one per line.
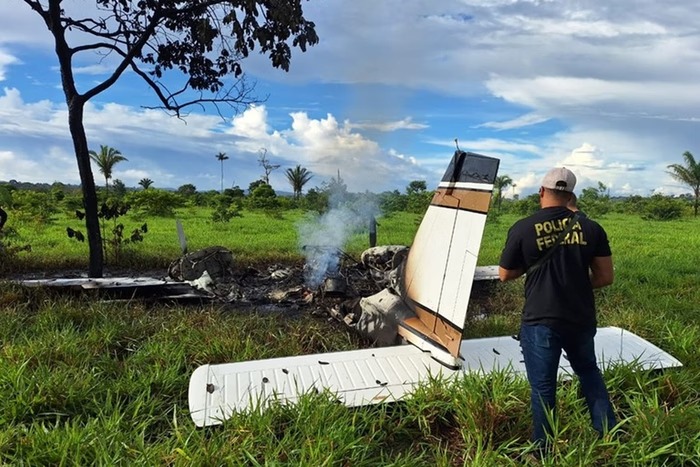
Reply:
x=607, y=89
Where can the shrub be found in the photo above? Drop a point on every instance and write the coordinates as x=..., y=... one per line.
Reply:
x=316, y=200
x=663, y=208
x=526, y=206
x=36, y=206
x=154, y=202
x=225, y=209
x=263, y=197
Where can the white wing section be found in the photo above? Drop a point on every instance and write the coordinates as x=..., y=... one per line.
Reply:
x=371, y=376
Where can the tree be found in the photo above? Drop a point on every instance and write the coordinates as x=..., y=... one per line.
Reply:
x=298, y=177
x=222, y=157
x=501, y=183
x=187, y=189
x=254, y=184
x=688, y=174
x=146, y=183
x=263, y=197
x=267, y=166
x=595, y=202
x=106, y=159
x=417, y=196
x=416, y=186
x=337, y=191
x=118, y=188
x=198, y=42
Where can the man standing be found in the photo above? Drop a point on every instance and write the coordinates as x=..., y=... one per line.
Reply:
x=573, y=206
x=565, y=257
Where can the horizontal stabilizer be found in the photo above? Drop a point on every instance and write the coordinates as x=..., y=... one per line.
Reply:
x=370, y=376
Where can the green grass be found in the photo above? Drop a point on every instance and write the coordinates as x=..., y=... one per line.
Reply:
x=255, y=237
x=94, y=383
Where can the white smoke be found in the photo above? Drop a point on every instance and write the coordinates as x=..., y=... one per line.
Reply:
x=323, y=238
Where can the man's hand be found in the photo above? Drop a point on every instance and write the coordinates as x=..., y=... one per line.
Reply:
x=509, y=274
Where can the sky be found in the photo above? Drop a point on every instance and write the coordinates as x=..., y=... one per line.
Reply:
x=608, y=89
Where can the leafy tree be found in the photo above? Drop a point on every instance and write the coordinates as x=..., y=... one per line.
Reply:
x=298, y=177
x=267, y=166
x=263, y=197
x=253, y=185
x=316, y=200
x=688, y=174
x=417, y=197
x=146, y=183
x=595, y=201
x=416, y=186
x=106, y=159
x=392, y=201
x=234, y=193
x=187, y=189
x=222, y=157
x=199, y=42
x=118, y=188
x=501, y=183
x=155, y=202
x=528, y=205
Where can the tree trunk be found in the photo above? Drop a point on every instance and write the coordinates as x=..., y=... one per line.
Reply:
x=87, y=183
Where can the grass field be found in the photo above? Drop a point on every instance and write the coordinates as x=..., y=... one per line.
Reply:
x=96, y=383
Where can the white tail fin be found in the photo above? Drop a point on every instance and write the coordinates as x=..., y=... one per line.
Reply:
x=440, y=266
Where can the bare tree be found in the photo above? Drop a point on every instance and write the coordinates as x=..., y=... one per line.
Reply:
x=267, y=166
x=199, y=42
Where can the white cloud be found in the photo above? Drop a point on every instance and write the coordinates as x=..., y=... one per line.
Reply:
x=555, y=93
x=169, y=147
x=5, y=61
x=519, y=122
x=403, y=124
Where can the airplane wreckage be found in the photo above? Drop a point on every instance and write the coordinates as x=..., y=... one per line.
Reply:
x=410, y=302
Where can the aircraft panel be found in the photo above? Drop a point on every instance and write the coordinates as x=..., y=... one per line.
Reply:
x=370, y=376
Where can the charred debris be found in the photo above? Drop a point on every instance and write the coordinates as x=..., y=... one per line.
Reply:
x=331, y=282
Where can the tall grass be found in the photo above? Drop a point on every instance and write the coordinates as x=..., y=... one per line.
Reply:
x=97, y=383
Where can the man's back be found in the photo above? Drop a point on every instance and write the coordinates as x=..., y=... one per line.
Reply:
x=558, y=291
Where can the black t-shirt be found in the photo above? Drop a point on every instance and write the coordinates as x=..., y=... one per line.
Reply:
x=558, y=293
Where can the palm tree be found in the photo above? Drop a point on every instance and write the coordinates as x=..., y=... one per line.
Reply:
x=688, y=174
x=501, y=183
x=298, y=177
x=145, y=183
x=105, y=160
x=222, y=157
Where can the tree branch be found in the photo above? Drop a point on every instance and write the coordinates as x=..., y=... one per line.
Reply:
x=129, y=56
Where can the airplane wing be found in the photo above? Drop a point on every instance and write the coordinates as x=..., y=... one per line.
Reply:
x=371, y=376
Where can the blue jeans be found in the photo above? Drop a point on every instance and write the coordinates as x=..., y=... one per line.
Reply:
x=542, y=347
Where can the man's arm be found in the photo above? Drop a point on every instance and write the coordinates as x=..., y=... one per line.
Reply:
x=602, y=271
x=509, y=274
x=3, y=218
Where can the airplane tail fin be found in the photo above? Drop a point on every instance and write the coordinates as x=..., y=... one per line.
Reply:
x=439, y=270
